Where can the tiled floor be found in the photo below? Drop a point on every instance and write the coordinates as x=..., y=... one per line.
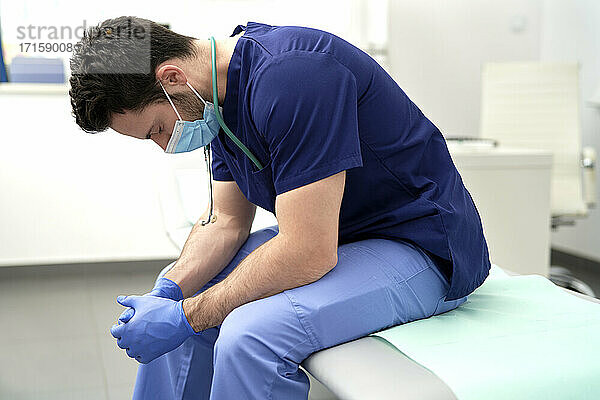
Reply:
x=54, y=330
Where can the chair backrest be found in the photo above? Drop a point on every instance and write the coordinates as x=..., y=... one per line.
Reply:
x=536, y=105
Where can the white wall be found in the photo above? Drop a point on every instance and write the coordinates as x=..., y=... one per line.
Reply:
x=196, y=18
x=68, y=196
x=436, y=49
x=571, y=32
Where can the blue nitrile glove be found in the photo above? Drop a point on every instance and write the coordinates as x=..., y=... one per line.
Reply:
x=164, y=287
x=157, y=326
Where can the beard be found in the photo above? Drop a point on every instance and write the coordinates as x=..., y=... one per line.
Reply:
x=189, y=106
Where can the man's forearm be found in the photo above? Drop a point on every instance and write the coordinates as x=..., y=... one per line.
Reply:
x=275, y=266
x=207, y=251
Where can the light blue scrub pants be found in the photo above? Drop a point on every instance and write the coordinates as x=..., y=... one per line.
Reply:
x=256, y=352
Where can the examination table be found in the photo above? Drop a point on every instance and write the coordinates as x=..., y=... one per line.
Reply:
x=370, y=368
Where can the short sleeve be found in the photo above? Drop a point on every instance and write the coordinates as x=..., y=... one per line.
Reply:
x=305, y=106
x=220, y=170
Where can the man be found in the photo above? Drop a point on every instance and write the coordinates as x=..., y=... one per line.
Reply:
x=375, y=227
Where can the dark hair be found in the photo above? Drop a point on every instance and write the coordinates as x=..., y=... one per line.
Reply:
x=113, y=68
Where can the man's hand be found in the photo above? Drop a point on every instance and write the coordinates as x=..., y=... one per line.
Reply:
x=154, y=327
x=167, y=289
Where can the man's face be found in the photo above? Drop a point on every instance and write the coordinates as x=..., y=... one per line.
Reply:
x=157, y=120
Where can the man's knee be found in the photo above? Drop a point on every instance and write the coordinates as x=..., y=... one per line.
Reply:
x=253, y=241
x=263, y=327
x=241, y=334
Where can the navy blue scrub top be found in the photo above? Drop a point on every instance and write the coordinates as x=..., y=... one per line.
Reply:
x=309, y=105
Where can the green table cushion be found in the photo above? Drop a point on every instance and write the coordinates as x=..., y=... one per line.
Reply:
x=516, y=337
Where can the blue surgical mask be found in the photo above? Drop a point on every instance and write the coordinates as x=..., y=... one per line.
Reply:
x=191, y=135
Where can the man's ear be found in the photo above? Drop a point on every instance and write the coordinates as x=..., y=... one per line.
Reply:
x=171, y=75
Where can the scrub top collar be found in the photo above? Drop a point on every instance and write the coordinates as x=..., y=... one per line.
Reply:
x=248, y=27
x=238, y=29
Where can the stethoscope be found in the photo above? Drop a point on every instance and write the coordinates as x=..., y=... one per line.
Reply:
x=207, y=155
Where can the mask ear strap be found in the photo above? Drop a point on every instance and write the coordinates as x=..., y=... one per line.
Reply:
x=196, y=93
x=170, y=101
